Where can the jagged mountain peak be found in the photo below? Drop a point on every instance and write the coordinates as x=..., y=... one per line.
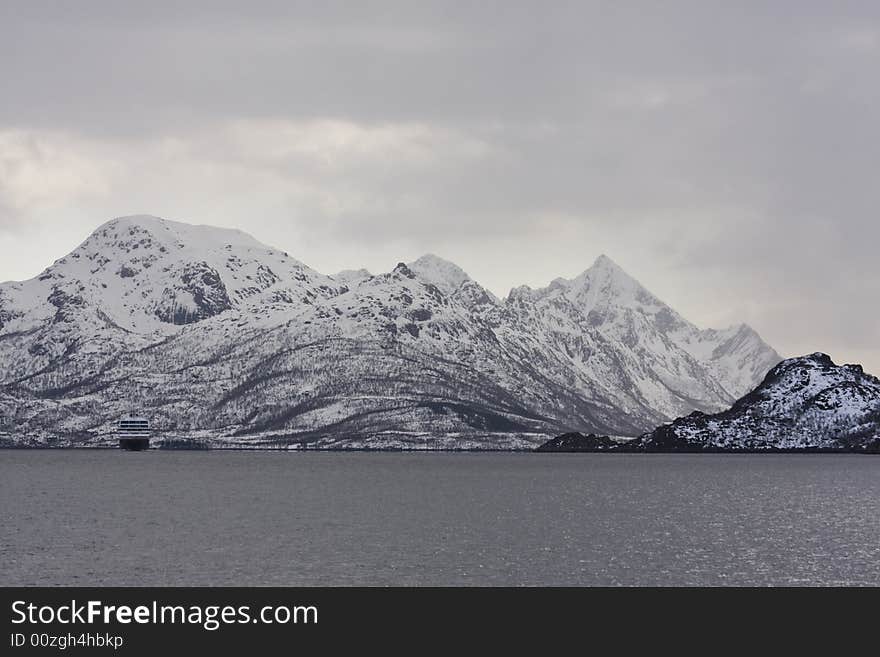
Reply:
x=614, y=304
x=606, y=284
x=445, y=275
x=604, y=268
x=403, y=269
x=603, y=262
x=603, y=276
x=741, y=329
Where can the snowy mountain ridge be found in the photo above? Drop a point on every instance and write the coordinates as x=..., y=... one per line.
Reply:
x=216, y=335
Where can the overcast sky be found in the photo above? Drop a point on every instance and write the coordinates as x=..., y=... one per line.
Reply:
x=727, y=155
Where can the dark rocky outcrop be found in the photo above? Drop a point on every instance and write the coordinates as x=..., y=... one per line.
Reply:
x=199, y=295
x=578, y=442
x=805, y=404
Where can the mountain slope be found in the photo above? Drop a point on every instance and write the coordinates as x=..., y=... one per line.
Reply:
x=220, y=337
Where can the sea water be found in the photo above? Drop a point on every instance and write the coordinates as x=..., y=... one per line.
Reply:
x=108, y=517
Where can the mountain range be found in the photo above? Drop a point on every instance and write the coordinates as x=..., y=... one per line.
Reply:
x=219, y=338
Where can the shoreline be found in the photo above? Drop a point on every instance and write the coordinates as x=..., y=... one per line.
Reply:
x=713, y=451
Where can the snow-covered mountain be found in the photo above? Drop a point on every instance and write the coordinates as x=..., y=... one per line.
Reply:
x=219, y=337
x=807, y=402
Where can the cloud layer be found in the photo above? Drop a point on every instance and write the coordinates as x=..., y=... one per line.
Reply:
x=727, y=156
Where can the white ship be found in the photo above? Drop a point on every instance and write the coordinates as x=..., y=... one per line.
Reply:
x=134, y=433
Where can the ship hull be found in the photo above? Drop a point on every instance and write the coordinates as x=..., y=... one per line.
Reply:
x=134, y=444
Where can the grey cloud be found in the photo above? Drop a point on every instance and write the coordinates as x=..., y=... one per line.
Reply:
x=728, y=152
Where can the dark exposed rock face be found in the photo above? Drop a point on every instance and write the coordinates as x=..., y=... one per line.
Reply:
x=5, y=315
x=201, y=294
x=403, y=270
x=66, y=303
x=578, y=442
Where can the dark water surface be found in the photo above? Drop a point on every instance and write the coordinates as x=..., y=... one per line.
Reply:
x=106, y=517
